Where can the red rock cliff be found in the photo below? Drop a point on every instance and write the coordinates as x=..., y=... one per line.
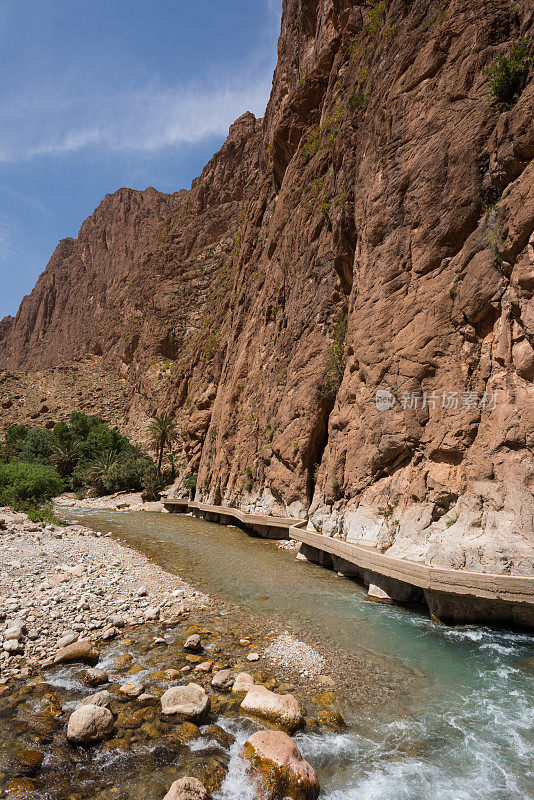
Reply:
x=373, y=233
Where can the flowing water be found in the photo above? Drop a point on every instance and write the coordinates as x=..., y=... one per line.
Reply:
x=465, y=733
x=468, y=734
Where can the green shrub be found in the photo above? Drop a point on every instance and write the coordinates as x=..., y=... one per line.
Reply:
x=507, y=72
x=14, y=440
x=24, y=485
x=190, y=481
x=335, y=357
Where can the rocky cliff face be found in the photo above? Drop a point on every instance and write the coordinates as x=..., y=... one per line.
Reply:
x=373, y=234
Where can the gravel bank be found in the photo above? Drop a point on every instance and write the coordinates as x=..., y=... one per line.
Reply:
x=68, y=583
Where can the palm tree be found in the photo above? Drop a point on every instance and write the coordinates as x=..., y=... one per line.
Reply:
x=65, y=455
x=163, y=432
x=98, y=470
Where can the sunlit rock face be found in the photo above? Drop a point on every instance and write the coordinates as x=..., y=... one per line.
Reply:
x=339, y=311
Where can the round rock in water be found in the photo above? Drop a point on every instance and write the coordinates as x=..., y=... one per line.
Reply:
x=90, y=724
x=279, y=709
x=189, y=702
x=276, y=759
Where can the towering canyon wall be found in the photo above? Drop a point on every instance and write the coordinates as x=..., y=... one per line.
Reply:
x=373, y=233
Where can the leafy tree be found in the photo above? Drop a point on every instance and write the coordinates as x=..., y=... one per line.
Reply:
x=37, y=446
x=24, y=485
x=15, y=440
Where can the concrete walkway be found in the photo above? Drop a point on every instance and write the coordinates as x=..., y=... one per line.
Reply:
x=514, y=589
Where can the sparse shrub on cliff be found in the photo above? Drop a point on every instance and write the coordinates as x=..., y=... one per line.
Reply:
x=335, y=357
x=392, y=524
x=361, y=92
x=325, y=211
x=376, y=15
x=507, y=72
x=190, y=482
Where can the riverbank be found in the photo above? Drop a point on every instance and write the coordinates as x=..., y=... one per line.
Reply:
x=397, y=678
x=82, y=612
x=64, y=583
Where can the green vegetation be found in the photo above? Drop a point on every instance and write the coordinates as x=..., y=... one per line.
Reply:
x=321, y=138
x=25, y=485
x=325, y=211
x=163, y=434
x=190, y=481
x=85, y=455
x=247, y=486
x=392, y=525
x=507, y=72
x=361, y=92
x=335, y=357
x=376, y=17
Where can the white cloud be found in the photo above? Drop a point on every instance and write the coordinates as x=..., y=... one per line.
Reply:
x=61, y=120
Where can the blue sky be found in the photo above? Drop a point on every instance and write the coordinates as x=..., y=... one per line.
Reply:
x=108, y=93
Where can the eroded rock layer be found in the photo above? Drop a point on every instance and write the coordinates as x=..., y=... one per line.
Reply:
x=373, y=233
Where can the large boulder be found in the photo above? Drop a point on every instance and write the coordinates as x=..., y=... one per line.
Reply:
x=278, y=709
x=277, y=761
x=89, y=724
x=189, y=702
x=82, y=651
x=187, y=789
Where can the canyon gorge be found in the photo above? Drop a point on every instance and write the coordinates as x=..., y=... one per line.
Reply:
x=339, y=312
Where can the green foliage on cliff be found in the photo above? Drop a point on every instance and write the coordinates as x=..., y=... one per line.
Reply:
x=335, y=357
x=507, y=72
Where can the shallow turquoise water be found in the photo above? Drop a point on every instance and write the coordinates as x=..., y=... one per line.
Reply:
x=471, y=737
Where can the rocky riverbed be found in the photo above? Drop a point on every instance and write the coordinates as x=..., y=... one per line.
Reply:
x=118, y=679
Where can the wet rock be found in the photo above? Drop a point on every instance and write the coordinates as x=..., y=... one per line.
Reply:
x=131, y=689
x=331, y=720
x=28, y=762
x=148, y=699
x=276, y=759
x=223, y=680
x=187, y=789
x=188, y=731
x=220, y=736
x=19, y=788
x=90, y=724
x=243, y=683
x=83, y=651
x=193, y=643
x=282, y=710
x=101, y=699
x=190, y=702
x=204, y=667
x=92, y=677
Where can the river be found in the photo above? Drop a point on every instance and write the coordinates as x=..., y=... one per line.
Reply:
x=468, y=735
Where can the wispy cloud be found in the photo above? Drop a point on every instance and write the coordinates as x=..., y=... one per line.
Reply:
x=61, y=120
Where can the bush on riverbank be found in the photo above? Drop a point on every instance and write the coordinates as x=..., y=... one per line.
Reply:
x=86, y=454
